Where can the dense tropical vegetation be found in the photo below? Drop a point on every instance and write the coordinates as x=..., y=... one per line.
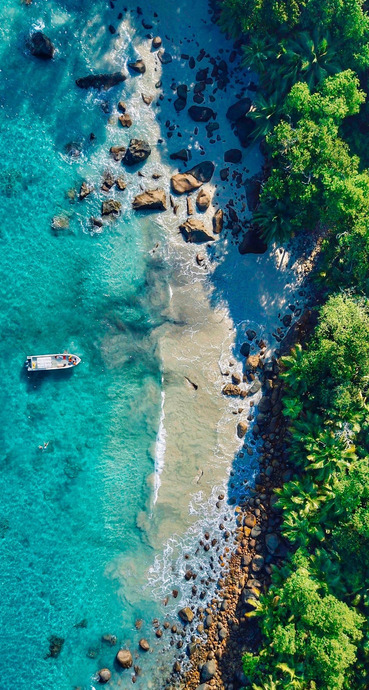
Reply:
x=312, y=60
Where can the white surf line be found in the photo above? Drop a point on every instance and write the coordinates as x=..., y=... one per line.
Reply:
x=160, y=448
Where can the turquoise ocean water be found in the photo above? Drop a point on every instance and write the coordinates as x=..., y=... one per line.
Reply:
x=69, y=512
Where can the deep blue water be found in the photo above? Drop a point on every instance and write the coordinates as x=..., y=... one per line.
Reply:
x=68, y=516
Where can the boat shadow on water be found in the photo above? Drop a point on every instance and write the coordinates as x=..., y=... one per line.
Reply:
x=35, y=379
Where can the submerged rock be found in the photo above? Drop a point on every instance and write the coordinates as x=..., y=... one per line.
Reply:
x=192, y=179
x=165, y=57
x=55, y=646
x=101, y=81
x=181, y=155
x=239, y=109
x=194, y=230
x=151, y=200
x=233, y=156
x=244, y=130
x=111, y=207
x=124, y=658
x=138, y=151
x=200, y=113
x=40, y=46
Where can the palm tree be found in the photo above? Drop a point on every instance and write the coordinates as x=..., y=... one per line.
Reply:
x=259, y=54
x=272, y=219
x=266, y=113
x=308, y=57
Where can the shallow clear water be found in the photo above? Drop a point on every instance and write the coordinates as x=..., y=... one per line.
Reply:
x=68, y=512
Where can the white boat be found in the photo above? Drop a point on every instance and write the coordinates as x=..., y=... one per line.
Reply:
x=51, y=362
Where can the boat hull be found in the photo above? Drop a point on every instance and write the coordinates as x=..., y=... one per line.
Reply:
x=53, y=362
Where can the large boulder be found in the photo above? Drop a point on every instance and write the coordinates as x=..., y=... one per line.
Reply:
x=151, y=200
x=218, y=221
x=208, y=670
x=241, y=429
x=192, y=179
x=124, y=658
x=186, y=614
x=239, y=109
x=231, y=389
x=137, y=152
x=252, y=243
x=101, y=81
x=193, y=230
x=203, y=200
x=41, y=46
x=200, y=113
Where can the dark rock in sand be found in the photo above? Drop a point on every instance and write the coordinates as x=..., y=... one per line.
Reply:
x=137, y=152
x=233, y=156
x=272, y=542
x=151, y=200
x=40, y=46
x=111, y=207
x=104, y=675
x=253, y=188
x=118, y=152
x=192, y=179
x=244, y=129
x=203, y=200
x=124, y=658
x=239, y=109
x=200, y=113
x=101, y=81
x=156, y=42
x=218, y=221
x=193, y=230
x=182, y=155
x=55, y=646
x=252, y=243
x=146, y=99
x=138, y=66
x=186, y=614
